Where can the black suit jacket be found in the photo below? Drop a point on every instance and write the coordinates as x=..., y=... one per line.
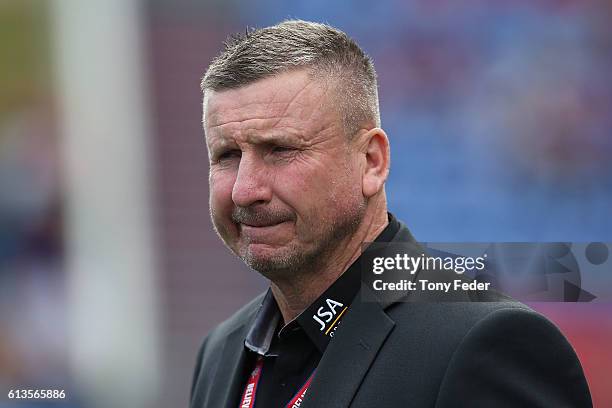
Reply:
x=471, y=352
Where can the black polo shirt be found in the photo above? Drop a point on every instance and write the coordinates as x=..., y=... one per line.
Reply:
x=292, y=353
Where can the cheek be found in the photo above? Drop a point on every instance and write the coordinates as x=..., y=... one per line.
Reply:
x=221, y=185
x=344, y=192
x=320, y=192
x=301, y=185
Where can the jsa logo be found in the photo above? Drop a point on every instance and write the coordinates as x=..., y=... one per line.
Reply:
x=325, y=315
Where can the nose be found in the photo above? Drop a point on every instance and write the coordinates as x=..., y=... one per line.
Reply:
x=251, y=184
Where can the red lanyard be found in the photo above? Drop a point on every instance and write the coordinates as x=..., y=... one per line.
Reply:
x=248, y=396
x=297, y=400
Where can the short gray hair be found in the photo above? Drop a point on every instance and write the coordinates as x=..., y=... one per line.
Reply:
x=329, y=53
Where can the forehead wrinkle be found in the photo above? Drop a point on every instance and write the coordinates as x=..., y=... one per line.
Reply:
x=228, y=115
x=297, y=102
x=295, y=99
x=268, y=128
x=311, y=100
x=302, y=116
x=257, y=131
x=252, y=136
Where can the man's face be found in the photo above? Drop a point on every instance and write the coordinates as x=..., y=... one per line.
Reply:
x=285, y=182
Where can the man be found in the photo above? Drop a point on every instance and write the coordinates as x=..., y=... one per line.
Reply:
x=298, y=163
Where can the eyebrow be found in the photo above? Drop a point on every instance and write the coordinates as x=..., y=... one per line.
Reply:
x=276, y=136
x=273, y=137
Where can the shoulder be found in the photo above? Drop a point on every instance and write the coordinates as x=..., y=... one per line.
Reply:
x=453, y=320
x=490, y=354
x=519, y=350
x=212, y=345
x=236, y=321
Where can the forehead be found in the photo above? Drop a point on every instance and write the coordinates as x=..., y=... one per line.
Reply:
x=292, y=100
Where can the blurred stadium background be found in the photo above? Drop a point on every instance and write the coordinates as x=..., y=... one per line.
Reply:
x=500, y=119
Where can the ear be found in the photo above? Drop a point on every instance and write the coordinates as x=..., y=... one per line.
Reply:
x=375, y=145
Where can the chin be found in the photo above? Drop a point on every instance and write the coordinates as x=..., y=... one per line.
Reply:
x=270, y=261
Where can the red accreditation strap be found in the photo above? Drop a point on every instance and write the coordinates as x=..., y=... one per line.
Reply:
x=297, y=400
x=248, y=396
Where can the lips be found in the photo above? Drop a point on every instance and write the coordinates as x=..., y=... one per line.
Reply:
x=265, y=233
x=261, y=224
x=259, y=218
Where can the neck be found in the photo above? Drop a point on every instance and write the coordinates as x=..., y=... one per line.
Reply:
x=294, y=296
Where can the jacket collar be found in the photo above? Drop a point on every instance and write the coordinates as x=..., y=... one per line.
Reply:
x=349, y=356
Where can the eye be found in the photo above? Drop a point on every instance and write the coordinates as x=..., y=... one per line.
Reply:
x=229, y=154
x=282, y=149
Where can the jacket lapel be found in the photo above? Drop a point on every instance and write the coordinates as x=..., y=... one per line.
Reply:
x=228, y=377
x=349, y=356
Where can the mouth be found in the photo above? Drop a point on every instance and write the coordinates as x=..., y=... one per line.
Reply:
x=265, y=233
x=256, y=224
